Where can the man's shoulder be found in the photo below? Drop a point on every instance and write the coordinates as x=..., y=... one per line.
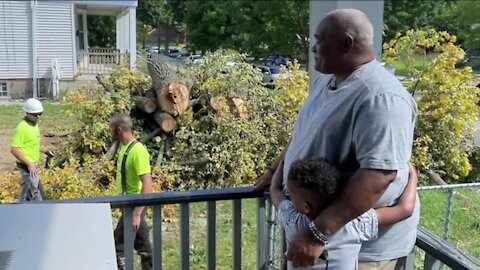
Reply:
x=139, y=147
x=378, y=80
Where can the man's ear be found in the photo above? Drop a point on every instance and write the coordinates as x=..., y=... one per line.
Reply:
x=347, y=43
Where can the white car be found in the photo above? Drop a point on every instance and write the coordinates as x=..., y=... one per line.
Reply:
x=195, y=59
x=270, y=75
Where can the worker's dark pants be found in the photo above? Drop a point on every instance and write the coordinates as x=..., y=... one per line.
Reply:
x=141, y=244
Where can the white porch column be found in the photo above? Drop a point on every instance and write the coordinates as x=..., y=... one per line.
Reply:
x=318, y=10
x=132, y=37
x=122, y=30
x=118, y=38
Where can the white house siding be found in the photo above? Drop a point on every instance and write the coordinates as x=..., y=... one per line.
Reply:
x=15, y=40
x=54, y=37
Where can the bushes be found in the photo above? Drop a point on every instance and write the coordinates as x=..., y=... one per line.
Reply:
x=446, y=98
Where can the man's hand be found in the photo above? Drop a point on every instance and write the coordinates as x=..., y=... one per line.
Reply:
x=264, y=180
x=136, y=221
x=32, y=168
x=305, y=249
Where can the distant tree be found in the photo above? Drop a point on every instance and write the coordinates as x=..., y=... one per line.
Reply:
x=464, y=18
x=101, y=31
x=157, y=13
x=255, y=27
x=403, y=15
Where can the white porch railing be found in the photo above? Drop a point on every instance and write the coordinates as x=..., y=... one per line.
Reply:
x=100, y=60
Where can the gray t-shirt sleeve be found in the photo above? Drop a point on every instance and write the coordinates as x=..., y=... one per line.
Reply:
x=366, y=225
x=291, y=219
x=383, y=131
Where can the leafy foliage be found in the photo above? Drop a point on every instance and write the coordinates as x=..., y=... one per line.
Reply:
x=94, y=106
x=101, y=31
x=446, y=97
x=255, y=27
x=237, y=148
x=153, y=13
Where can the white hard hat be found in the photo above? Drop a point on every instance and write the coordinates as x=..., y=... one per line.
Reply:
x=32, y=105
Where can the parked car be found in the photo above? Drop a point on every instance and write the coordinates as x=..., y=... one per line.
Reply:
x=195, y=59
x=174, y=53
x=270, y=75
x=277, y=59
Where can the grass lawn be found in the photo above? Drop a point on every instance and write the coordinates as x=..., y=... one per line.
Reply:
x=224, y=234
x=53, y=116
x=420, y=62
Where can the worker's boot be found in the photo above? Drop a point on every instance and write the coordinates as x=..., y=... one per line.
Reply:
x=121, y=262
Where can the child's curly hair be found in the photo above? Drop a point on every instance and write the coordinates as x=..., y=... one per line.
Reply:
x=316, y=174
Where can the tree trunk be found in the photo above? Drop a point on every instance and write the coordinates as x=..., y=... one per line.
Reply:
x=151, y=94
x=159, y=40
x=167, y=37
x=218, y=103
x=165, y=121
x=174, y=98
x=146, y=104
x=238, y=107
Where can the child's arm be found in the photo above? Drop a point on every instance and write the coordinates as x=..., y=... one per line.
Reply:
x=405, y=205
x=276, y=189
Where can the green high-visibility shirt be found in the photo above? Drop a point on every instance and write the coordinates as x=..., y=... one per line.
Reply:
x=137, y=164
x=27, y=138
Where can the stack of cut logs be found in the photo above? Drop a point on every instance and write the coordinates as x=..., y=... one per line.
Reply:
x=169, y=98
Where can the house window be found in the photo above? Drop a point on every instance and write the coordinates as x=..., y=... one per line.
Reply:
x=3, y=89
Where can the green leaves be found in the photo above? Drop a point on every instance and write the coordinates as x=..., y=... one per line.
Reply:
x=446, y=98
x=255, y=27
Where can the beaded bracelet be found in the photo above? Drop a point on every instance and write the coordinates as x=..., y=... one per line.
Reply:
x=322, y=238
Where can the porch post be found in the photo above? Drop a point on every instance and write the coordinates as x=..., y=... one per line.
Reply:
x=118, y=38
x=132, y=48
x=318, y=10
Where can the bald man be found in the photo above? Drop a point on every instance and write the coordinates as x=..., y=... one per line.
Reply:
x=361, y=119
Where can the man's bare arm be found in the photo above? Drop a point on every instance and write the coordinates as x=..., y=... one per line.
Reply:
x=146, y=188
x=16, y=152
x=266, y=178
x=363, y=190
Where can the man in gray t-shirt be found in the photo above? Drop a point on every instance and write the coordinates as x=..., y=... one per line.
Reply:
x=361, y=119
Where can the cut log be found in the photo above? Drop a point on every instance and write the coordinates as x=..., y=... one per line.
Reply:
x=145, y=104
x=218, y=103
x=173, y=98
x=165, y=121
x=180, y=94
x=238, y=107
